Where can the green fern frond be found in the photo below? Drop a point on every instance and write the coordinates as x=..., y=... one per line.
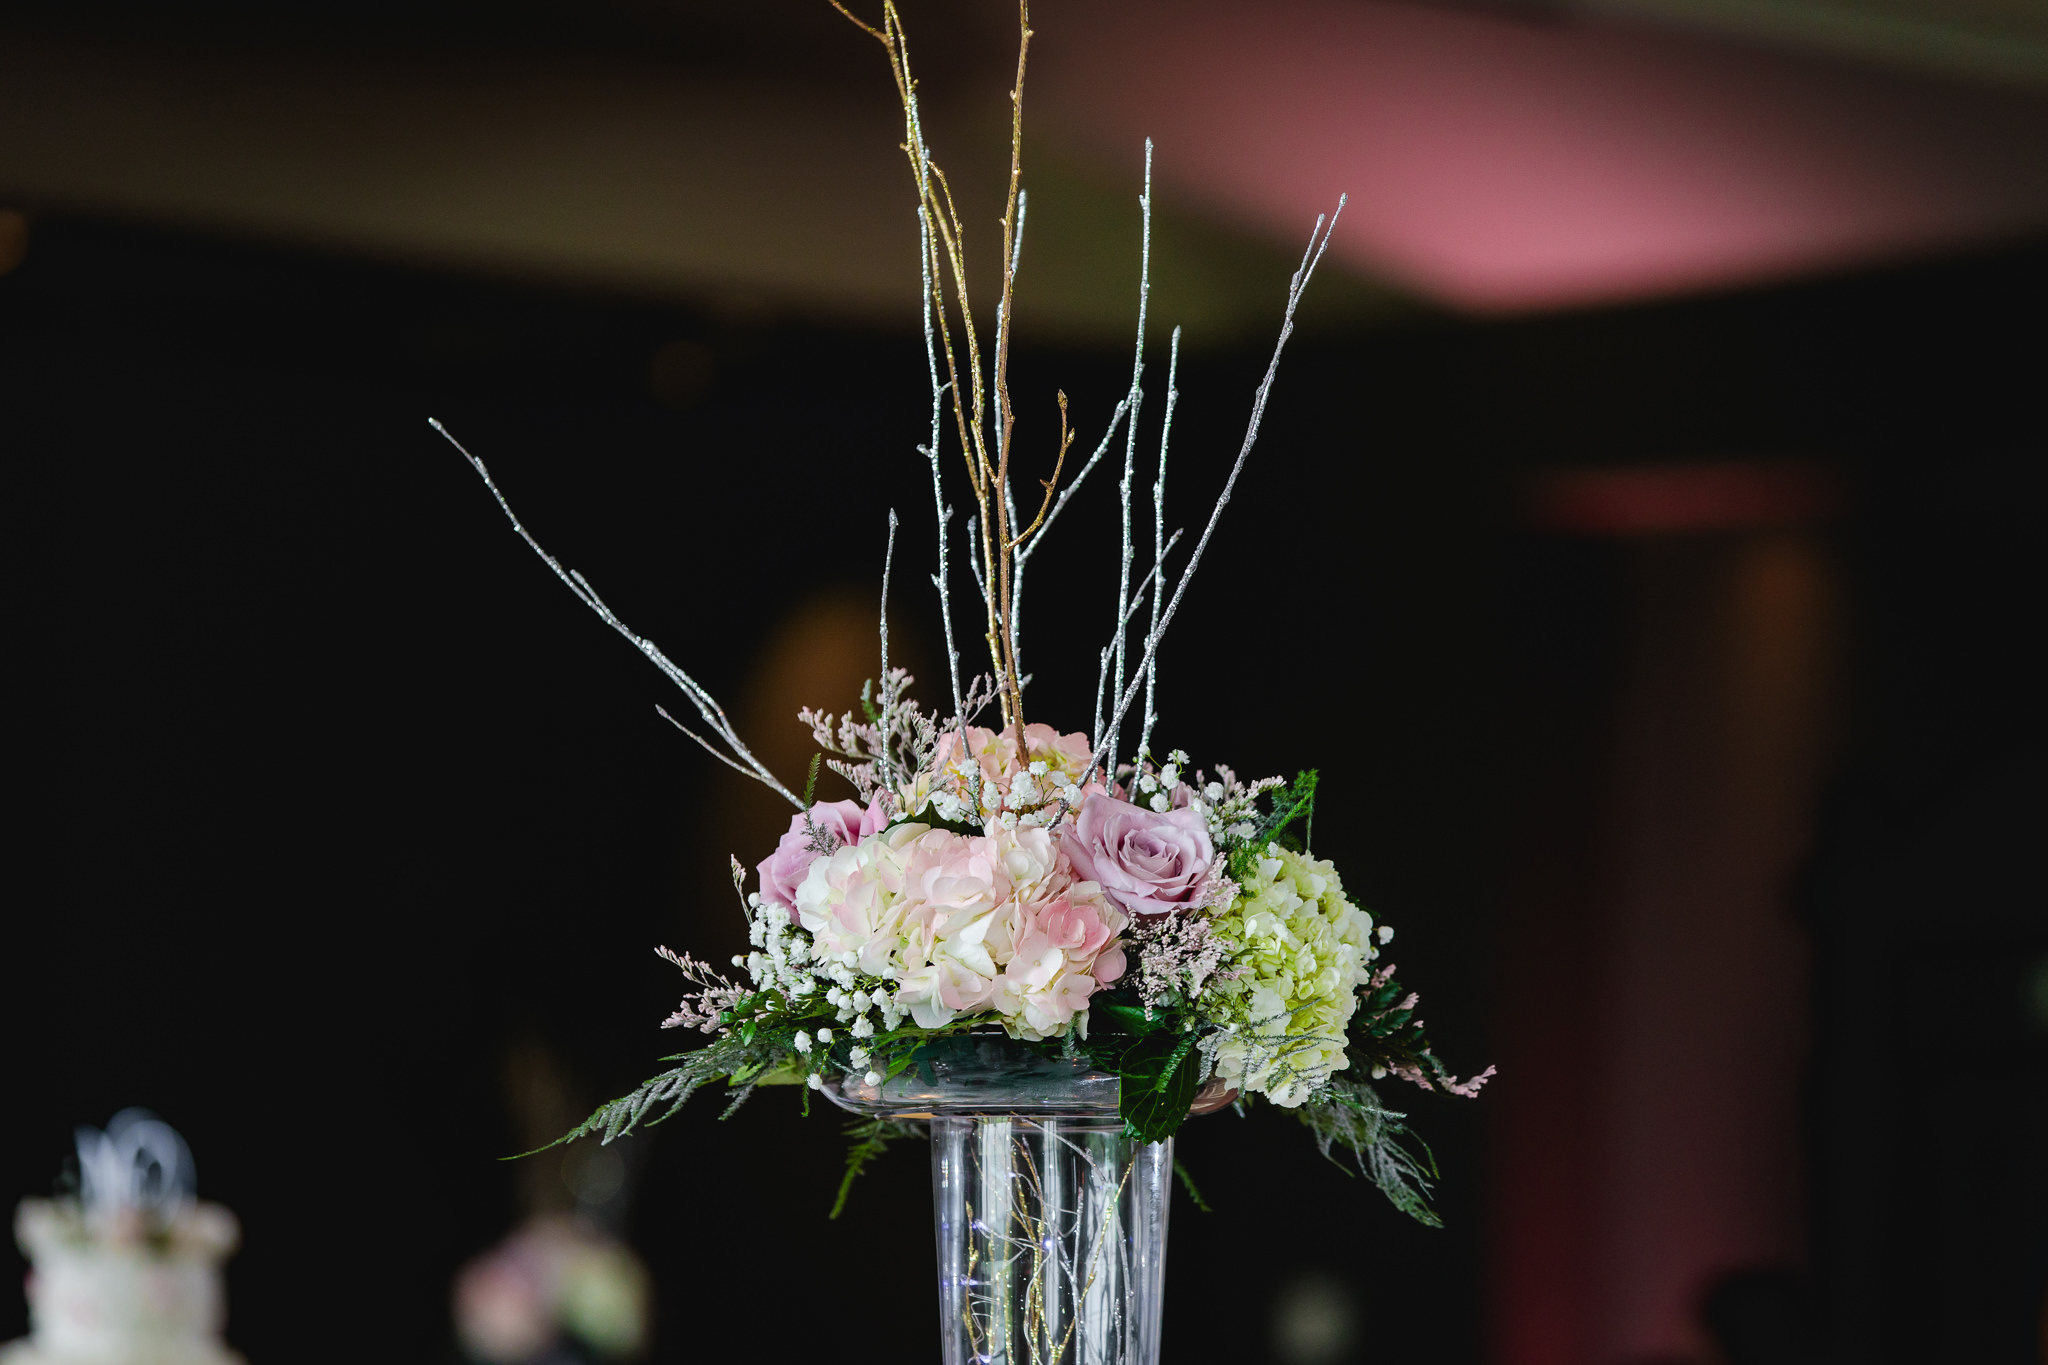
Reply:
x=1348, y=1114
x=870, y=1139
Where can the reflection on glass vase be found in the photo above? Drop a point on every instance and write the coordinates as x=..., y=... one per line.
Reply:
x=1052, y=1239
x=1051, y=1222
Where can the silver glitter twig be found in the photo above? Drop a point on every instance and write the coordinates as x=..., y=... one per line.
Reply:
x=1101, y=686
x=1030, y=547
x=1106, y=741
x=943, y=579
x=1318, y=242
x=1150, y=580
x=707, y=706
x=1017, y=246
x=884, y=761
x=973, y=529
x=1160, y=545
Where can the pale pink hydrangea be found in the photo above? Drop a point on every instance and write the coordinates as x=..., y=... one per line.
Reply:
x=954, y=887
x=1063, y=949
x=1031, y=863
x=963, y=925
x=981, y=922
x=852, y=900
x=1065, y=756
x=984, y=749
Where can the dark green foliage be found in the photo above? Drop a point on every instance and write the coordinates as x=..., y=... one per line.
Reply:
x=1116, y=1017
x=1187, y=1182
x=1295, y=801
x=1160, y=1073
x=867, y=1140
x=1385, y=1033
x=1155, y=1057
x=728, y=1056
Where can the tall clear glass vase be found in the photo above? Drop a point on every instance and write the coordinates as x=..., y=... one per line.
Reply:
x=1051, y=1223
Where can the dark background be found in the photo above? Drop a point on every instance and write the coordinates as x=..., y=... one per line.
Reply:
x=330, y=796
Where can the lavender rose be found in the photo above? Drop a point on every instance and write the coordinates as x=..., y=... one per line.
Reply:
x=783, y=871
x=1149, y=862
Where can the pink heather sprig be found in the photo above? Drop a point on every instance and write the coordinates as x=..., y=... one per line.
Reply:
x=1177, y=956
x=1217, y=893
x=875, y=754
x=1444, y=1080
x=700, y=1009
x=854, y=741
x=1234, y=804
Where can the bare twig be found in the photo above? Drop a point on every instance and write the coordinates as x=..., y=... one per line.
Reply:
x=1160, y=545
x=885, y=761
x=1318, y=242
x=1066, y=440
x=945, y=242
x=1025, y=551
x=1106, y=742
x=707, y=706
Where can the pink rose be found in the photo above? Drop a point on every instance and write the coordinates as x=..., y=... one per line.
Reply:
x=783, y=871
x=1148, y=862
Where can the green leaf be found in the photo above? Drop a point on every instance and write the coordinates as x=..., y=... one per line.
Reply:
x=1129, y=1018
x=1159, y=1076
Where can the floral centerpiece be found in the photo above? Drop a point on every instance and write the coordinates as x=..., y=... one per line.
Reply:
x=1153, y=936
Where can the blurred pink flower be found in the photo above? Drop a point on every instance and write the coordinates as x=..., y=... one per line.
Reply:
x=1066, y=755
x=994, y=753
x=553, y=1276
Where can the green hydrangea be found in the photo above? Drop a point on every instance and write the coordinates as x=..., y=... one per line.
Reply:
x=1296, y=952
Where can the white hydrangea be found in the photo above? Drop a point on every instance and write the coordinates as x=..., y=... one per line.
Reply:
x=1297, y=950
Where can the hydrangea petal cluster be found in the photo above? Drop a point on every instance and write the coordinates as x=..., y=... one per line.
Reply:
x=1297, y=950
x=939, y=926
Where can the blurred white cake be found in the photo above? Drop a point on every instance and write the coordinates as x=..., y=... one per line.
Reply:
x=129, y=1272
